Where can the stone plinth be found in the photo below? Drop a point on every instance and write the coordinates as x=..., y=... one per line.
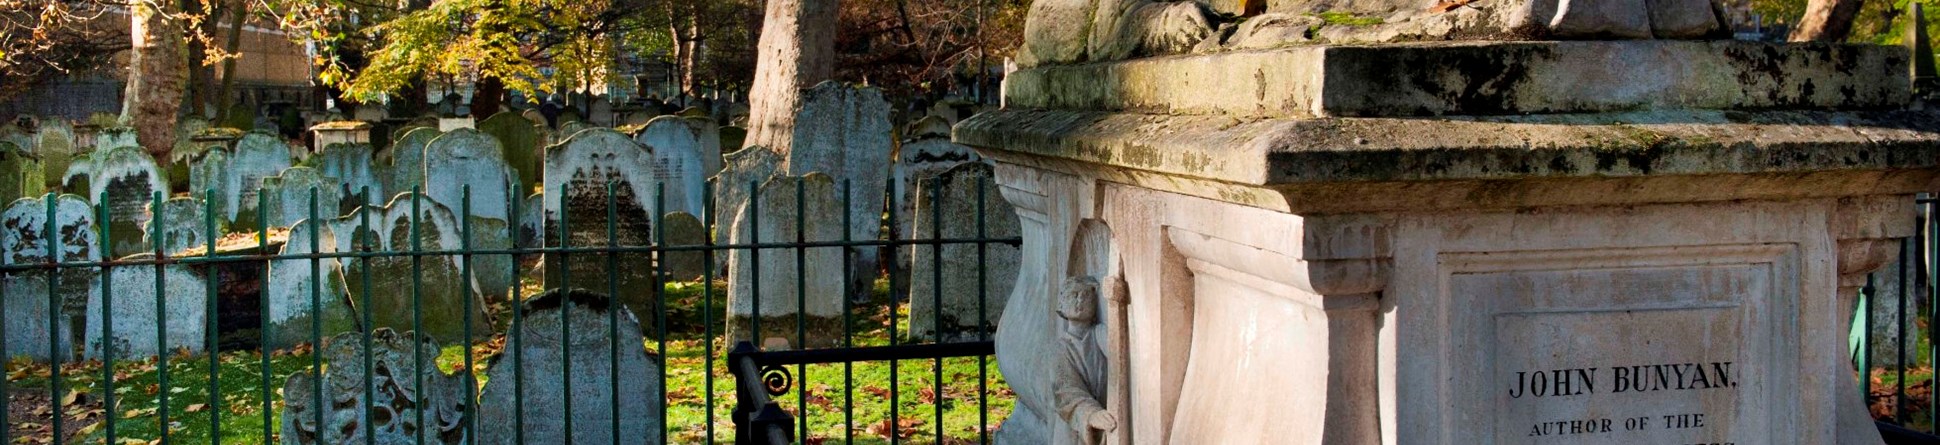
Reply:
x=1348, y=257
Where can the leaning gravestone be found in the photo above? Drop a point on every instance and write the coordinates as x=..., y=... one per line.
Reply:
x=844, y=131
x=302, y=288
x=129, y=295
x=407, y=159
x=288, y=197
x=24, y=240
x=683, y=229
x=678, y=165
x=353, y=167
x=546, y=391
x=467, y=158
x=399, y=410
x=181, y=225
x=20, y=172
x=523, y=145
x=578, y=174
x=815, y=217
x=441, y=293
x=258, y=155
x=126, y=181
x=948, y=208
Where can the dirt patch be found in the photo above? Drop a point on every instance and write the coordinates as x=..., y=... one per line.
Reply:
x=30, y=415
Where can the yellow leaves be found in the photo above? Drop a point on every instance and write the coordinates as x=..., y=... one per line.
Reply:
x=196, y=408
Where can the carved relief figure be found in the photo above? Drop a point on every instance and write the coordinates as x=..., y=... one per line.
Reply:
x=1080, y=382
x=1070, y=31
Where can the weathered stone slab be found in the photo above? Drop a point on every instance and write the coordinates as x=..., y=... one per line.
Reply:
x=407, y=159
x=126, y=181
x=181, y=225
x=950, y=205
x=288, y=196
x=258, y=155
x=57, y=148
x=207, y=180
x=1523, y=77
x=678, y=161
x=523, y=144
x=468, y=158
x=548, y=392
x=129, y=295
x=399, y=409
x=113, y=137
x=844, y=131
x=578, y=174
x=354, y=168
x=683, y=229
x=24, y=239
x=20, y=172
x=745, y=170
x=438, y=291
x=768, y=284
x=308, y=295
x=926, y=154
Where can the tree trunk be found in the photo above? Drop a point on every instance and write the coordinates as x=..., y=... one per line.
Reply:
x=487, y=94
x=226, y=95
x=1826, y=21
x=796, y=51
x=156, y=71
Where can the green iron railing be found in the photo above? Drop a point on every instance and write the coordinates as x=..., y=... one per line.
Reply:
x=1906, y=396
x=215, y=255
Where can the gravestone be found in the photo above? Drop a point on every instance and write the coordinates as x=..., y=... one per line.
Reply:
x=407, y=159
x=927, y=153
x=536, y=118
x=126, y=181
x=258, y=155
x=746, y=169
x=578, y=174
x=678, y=164
x=57, y=148
x=208, y=179
x=287, y=196
x=181, y=310
x=181, y=225
x=540, y=360
x=947, y=207
x=683, y=229
x=441, y=293
x=844, y=131
x=532, y=225
x=20, y=172
x=791, y=209
x=299, y=289
x=399, y=410
x=353, y=166
x=115, y=136
x=24, y=239
x=466, y=157
x=523, y=144
x=708, y=133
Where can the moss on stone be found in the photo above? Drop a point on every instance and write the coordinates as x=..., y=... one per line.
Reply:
x=1347, y=19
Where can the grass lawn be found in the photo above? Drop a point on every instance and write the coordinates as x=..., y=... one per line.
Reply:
x=239, y=409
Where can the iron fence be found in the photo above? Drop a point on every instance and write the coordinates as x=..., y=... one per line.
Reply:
x=1899, y=386
x=239, y=383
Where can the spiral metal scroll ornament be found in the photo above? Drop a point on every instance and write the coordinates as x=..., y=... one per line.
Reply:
x=777, y=379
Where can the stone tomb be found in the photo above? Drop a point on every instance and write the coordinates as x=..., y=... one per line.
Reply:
x=678, y=161
x=1624, y=263
x=578, y=174
x=769, y=284
x=180, y=309
x=126, y=181
x=399, y=409
x=440, y=292
x=548, y=393
x=947, y=208
x=24, y=240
